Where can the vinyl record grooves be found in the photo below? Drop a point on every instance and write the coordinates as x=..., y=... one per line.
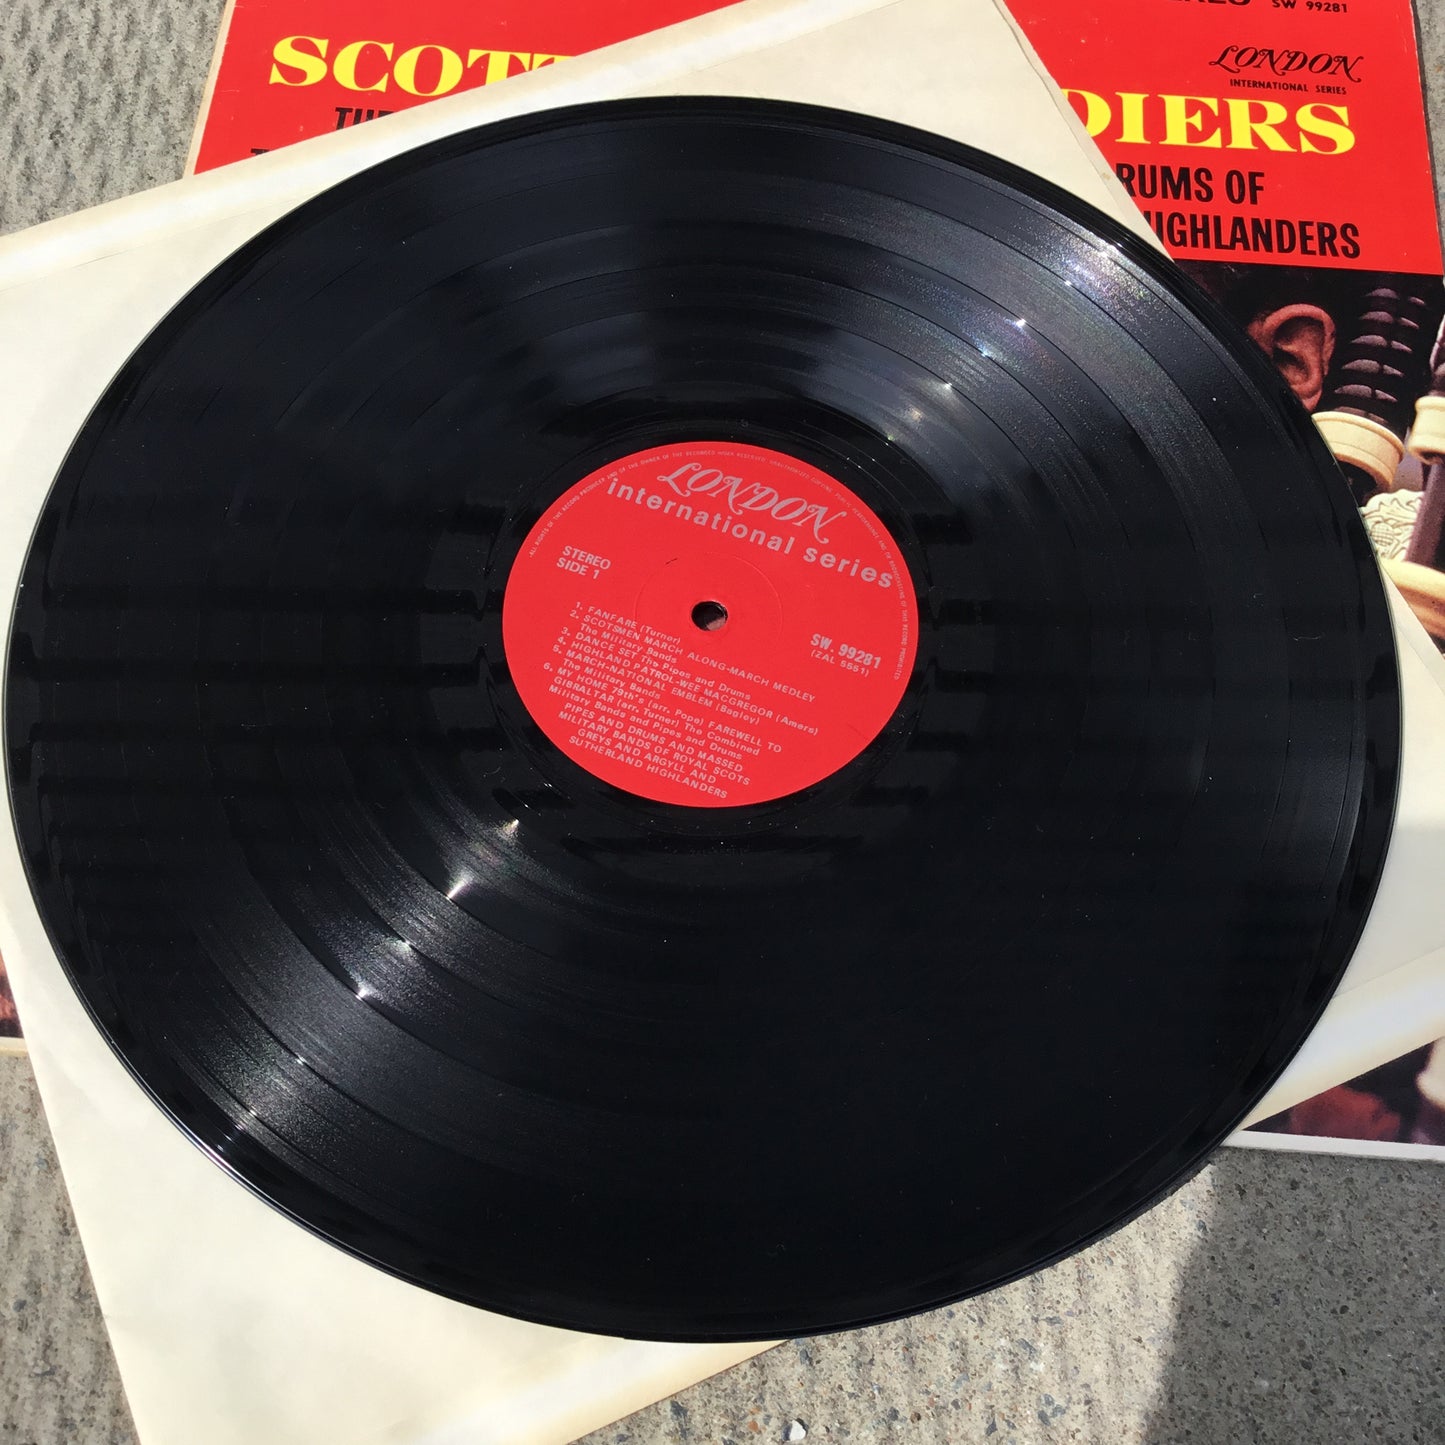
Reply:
x=422, y=953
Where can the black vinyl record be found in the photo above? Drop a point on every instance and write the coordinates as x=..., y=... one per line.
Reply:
x=494, y=952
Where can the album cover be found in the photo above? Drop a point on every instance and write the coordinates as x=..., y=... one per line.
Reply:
x=1295, y=262
x=1282, y=157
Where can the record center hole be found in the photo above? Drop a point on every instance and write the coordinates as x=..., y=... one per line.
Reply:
x=709, y=616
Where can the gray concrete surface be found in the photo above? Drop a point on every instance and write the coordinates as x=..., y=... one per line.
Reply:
x=1274, y=1300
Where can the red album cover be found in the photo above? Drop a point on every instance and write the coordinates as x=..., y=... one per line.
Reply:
x=1279, y=150
x=285, y=70
x=1277, y=147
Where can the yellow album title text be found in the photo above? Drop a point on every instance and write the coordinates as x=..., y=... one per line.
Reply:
x=1234, y=123
x=372, y=65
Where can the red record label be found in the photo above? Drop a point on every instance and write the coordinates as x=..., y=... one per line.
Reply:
x=710, y=624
